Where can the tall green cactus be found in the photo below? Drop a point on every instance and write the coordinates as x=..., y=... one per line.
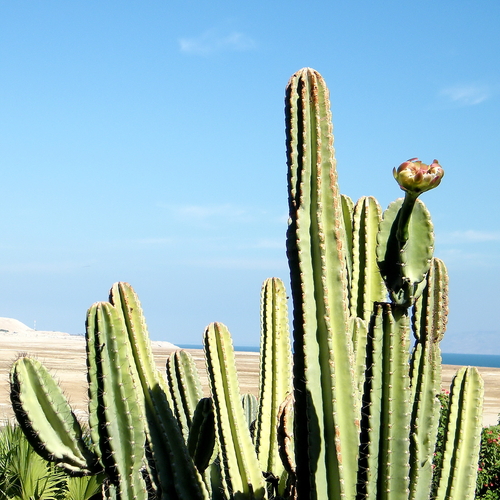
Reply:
x=377, y=441
x=326, y=406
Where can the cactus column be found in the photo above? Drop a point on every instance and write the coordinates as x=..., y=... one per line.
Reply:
x=326, y=406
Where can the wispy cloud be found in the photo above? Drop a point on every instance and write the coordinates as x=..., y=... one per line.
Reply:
x=467, y=95
x=210, y=216
x=63, y=267
x=216, y=214
x=241, y=263
x=270, y=243
x=470, y=236
x=152, y=242
x=203, y=212
x=214, y=41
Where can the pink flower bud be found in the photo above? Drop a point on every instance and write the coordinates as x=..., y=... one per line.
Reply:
x=416, y=177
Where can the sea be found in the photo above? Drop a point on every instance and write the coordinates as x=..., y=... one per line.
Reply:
x=485, y=360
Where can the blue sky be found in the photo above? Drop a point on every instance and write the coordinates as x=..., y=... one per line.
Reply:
x=144, y=142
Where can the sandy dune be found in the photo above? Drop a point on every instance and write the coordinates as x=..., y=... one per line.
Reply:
x=64, y=355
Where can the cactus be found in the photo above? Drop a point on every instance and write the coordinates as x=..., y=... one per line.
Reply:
x=326, y=406
x=240, y=466
x=462, y=438
x=136, y=437
x=359, y=420
x=37, y=400
x=275, y=378
x=377, y=440
x=185, y=387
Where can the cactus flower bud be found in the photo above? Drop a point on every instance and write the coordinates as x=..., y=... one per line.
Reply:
x=416, y=177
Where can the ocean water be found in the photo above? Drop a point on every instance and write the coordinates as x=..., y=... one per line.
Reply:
x=242, y=348
x=487, y=360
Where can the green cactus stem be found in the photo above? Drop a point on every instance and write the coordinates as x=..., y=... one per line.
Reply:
x=384, y=459
x=462, y=436
x=240, y=466
x=367, y=285
x=250, y=405
x=201, y=441
x=118, y=415
x=405, y=260
x=275, y=376
x=47, y=420
x=428, y=323
x=185, y=387
x=326, y=405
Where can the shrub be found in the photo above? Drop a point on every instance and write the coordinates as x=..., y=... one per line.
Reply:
x=437, y=463
x=24, y=475
x=488, y=477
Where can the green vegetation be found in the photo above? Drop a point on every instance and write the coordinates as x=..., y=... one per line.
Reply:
x=488, y=478
x=25, y=475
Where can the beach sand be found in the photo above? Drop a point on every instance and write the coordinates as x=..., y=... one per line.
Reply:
x=64, y=356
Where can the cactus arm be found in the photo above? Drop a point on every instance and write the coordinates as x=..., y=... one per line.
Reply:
x=44, y=414
x=185, y=387
x=201, y=442
x=251, y=409
x=429, y=323
x=275, y=373
x=462, y=440
x=125, y=300
x=121, y=417
x=240, y=465
x=359, y=330
x=176, y=471
x=94, y=378
x=371, y=410
x=286, y=443
x=383, y=471
x=367, y=285
x=404, y=264
x=347, y=212
x=325, y=401
x=396, y=404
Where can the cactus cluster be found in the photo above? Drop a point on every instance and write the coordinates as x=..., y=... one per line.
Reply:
x=352, y=414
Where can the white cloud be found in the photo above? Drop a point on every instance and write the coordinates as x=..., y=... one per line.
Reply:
x=460, y=260
x=467, y=95
x=212, y=41
x=152, y=242
x=62, y=267
x=271, y=244
x=204, y=212
x=241, y=263
x=470, y=236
